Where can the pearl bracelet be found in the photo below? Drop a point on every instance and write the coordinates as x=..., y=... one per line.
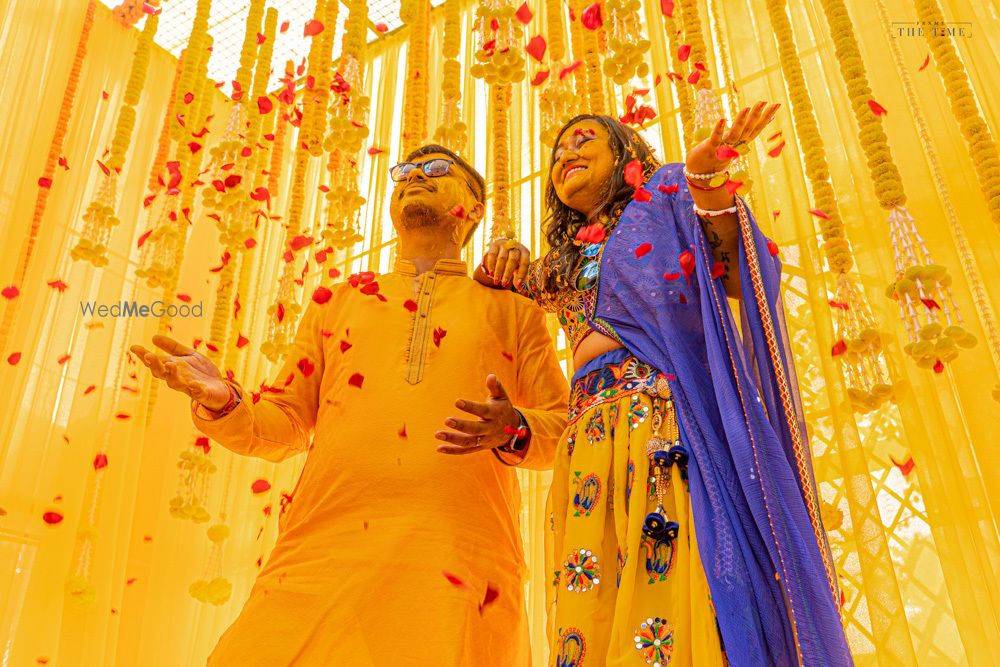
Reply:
x=711, y=214
x=703, y=177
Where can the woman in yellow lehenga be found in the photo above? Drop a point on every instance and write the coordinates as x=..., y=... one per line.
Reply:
x=649, y=451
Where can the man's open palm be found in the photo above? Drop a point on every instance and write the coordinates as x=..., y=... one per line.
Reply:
x=185, y=370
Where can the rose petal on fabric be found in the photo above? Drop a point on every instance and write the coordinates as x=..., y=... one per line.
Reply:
x=718, y=268
x=726, y=152
x=491, y=596
x=683, y=52
x=322, y=294
x=312, y=28
x=260, y=486
x=536, y=47
x=410, y=305
x=776, y=151
x=10, y=292
x=52, y=518
x=643, y=249
x=402, y=431
x=667, y=8
x=508, y=356
x=668, y=189
x=453, y=580
x=356, y=380
x=569, y=68
x=877, y=108
x=541, y=76
x=838, y=348
x=633, y=174
x=100, y=461
x=439, y=333
x=381, y=27
x=591, y=17
x=642, y=195
x=369, y=288
x=772, y=247
x=345, y=346
x=927, y=61
x=819, y=214
x=687, y=263
x=671, y=276
x=306, y=367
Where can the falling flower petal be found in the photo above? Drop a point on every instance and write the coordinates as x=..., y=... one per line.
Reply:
x=300, y=242
x=322, y=295
x=381, y=27
x=89, y=389
x=642, y=195
x=58, y=284
x=14, y=358
x=536, y=47
x=906, y=466
x=356, y=380
x=312, y=28
x=668, y=189
x=264, y=104
x=838, y=348
x=10, y=292
x=453, y=580
x=591, y=17
x=569, y=68
x=491, y=596
x=100, y=461
x=306, y=366
x=687, y=263
x=345, y=346
x=693, y=77
x=63, y=359
x=260, y=486
x=523, y=13
x=877, y=108
x=819, y=214
x=772, y=247
x=374, y=151
x=643, y=249
x=633, y=174
x=732, y=186
x=931, y=304
x=938, y=366
x=683, y=52
x=402, y=431
x=726, y=152
x=241, y=341
x=718, y=269
x=44, y=182
x=667, y=7
x=927, y=61
x=541, y=76
x=776, y=151
x=52, y=518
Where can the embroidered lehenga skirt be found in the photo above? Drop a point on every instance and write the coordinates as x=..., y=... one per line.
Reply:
x=628, y=586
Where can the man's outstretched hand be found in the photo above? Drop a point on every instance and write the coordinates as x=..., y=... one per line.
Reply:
x=488, y=431
x=185, y=370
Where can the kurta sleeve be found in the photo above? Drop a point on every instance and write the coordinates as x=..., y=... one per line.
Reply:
x=542, y=392
x=280, y=424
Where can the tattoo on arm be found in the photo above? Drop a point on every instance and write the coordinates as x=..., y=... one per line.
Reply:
x=715, y=241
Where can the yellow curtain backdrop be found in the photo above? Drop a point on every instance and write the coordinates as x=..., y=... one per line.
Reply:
x=918, y=554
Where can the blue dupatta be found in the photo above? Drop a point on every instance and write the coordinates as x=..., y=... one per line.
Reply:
x=754, y=499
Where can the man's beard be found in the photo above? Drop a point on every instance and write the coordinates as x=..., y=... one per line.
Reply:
x=415, y=215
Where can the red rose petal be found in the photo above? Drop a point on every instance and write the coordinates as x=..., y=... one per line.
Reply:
x=633, y=174
x=410, y=305
x=52, y=518
x=306, y=367
x=381, y=27
x=906, y=466
x=439, y=333
x=927, y=61
x=453, y=580
x=402, y=431
x=284, y=27
x=693, y=77
x=523, y=14
x=668, y=189
x=232, y=180
x=718, y=269
x=63, y=359
x=569, y=68
x=10, y=292
x=938, y=366
x=776, y=151
x=322, y=295
x=100, y=461
x=838, y=348
x=58, y=284
x=264, y=104
x=45, y=182
x=687, y=263
x=772, y=247
x=819, y=214
x=14, y=358
x=877, y=108
x=345, y=346
x=300, y=242
x=491, y=596
x=671, y=276
x=732, y=186
x=591, y=17
x=642, y=195
x=683, y=52
x=541, y=76
x=536, y=47
x=931, y=304
x=643, y=249
x=260, y=486
x=241, y=341
x=726, y=152
x=356, y=380
x=312, y=28
x=667, y=7
x=374, y=151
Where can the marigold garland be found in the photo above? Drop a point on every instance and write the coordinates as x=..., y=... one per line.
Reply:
x=592, y=63
x=163, y=143
x=626, y=42
x=922, y=288
x=557, y=101
x=451, y=132
x=982, y=147
x=99, y=218
x=859, y=342
x=695, y=37
x=504, y=225
x=577, y=42
x=685, y=101
x=417, y=15
x=48, y=171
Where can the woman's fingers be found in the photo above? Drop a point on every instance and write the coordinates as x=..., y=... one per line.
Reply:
x=522, y=270
x=720, y=129
x=491, y=258
x=765, y=119
x=732, y=135
x=513, y=262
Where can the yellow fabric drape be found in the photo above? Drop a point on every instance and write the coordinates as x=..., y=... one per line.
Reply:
x=918, y=555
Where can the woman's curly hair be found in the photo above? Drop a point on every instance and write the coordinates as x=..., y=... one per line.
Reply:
x=563, y=222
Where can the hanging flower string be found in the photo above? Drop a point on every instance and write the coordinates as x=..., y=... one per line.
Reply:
x=557, y=101
x=922, y=288
x=858, y=339
x=100, y=217
x=685, y=101
x=979, y=295
x=416, y=14
x=451, y=132
x=982, y=147
x=626, y=42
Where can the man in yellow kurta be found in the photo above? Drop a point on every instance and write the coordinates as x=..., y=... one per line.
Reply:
x=401, y=545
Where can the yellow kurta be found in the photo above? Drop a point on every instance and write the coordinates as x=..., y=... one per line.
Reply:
x=356, y=577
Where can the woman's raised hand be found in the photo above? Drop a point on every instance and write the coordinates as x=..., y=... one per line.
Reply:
x=705, y=157
x=185, y=370
x=506, y=260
